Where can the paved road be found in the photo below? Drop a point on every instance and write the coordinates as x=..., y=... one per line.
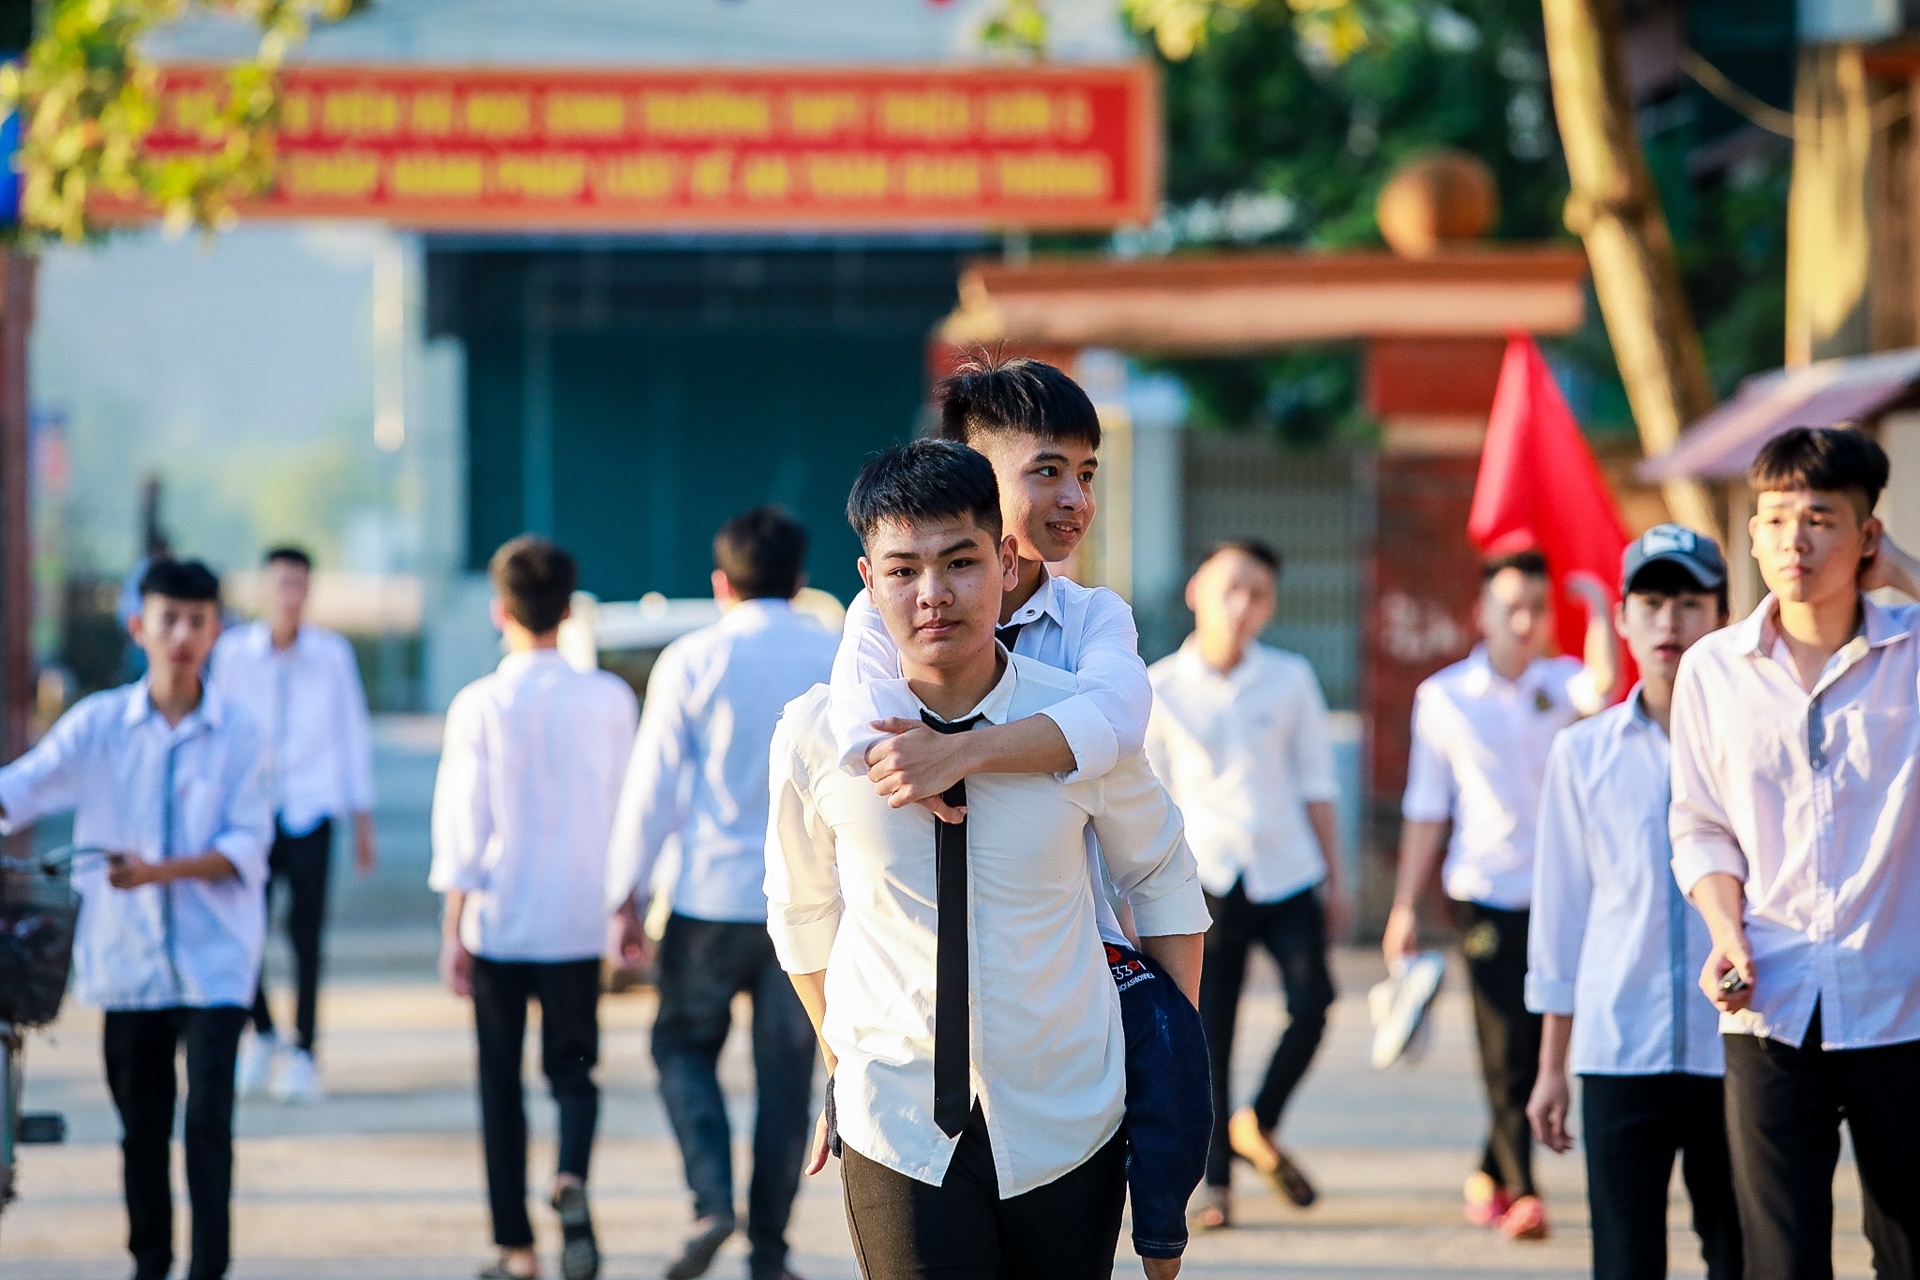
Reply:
x=383, y=1179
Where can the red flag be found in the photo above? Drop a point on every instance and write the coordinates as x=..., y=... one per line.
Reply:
x=1540, y=487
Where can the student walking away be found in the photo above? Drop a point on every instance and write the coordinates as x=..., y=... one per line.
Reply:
x=1613, y=947
x=1041, y=434
x=1239, y=736
x=699, y=775
x=952, y=970
x=522, y=811
x=1796, y=825
x=301, y=686
x=1481, y=730
x=164, y=774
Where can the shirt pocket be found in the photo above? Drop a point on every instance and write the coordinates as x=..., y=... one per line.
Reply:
x=1873, y=746
x=196, y=802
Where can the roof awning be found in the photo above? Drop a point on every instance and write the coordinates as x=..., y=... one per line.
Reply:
x=1828, y=393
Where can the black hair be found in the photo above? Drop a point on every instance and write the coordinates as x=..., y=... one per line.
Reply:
x=534, y=577
x=1530, y=563
x=289, y=555
x=1833, y=459
x=761, y=552
x=1253, y=548
x=180, y=580
x=990, y=393
x=921, y=481
x=1665, y=578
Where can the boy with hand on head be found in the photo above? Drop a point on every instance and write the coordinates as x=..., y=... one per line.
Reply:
x=952, y=970
x=301, y=685
x=1796, y=832
x=1239, y=737
x=1613, y=946
x=1481, y=730
x=522, y=812
x=163, y=774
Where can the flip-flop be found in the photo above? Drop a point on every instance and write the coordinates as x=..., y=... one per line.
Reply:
x=697, y=1255
x=498, y=1271
x=579, y=1251
x=1213, y=1212
x=1257, y=1147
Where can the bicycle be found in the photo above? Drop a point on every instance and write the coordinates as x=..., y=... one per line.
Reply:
x=38, y=912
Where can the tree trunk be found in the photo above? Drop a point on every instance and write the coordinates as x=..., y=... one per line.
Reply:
x=1615, y=208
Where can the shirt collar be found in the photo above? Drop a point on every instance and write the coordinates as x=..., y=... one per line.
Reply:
x=1481, y=677
x=1197, y=665
x=995, y=707
x=526, y=658
x=259, y=634
x=744, y=614
x=212, y=710
x=1045, y=601
x=1755, y=633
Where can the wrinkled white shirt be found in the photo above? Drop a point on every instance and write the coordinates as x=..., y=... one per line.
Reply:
x=311, y=712
x=1243, y=754
x=1812, y=801
x=139, y=786
x=851, y=890
x=1479, y=755
x=1612, y=943
x=699, y=768
x=523, y=806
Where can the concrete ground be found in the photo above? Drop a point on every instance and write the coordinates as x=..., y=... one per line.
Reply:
x=383, y=1179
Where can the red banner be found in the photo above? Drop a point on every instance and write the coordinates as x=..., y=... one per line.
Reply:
x=452, y=147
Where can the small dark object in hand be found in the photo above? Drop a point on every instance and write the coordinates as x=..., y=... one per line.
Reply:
x=1732, y=982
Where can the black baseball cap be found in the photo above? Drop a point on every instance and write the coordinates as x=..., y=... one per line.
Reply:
x=1698, y=554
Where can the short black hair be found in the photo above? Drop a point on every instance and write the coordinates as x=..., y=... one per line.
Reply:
x=1665, y=578
x=289, y=555
x=921, y=481
x=990, y=393
x=1833, y=459
x=534, y=577
x=762, y=553
x=179, y=580
x=1253, y=548
x=1530, y=563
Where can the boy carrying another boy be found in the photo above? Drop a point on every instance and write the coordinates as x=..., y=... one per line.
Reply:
x=165, y=776
x=522, y=811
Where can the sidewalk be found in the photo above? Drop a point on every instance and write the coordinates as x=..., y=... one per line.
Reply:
x=383, y=1180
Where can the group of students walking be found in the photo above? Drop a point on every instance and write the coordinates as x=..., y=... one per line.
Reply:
x=1007, y=878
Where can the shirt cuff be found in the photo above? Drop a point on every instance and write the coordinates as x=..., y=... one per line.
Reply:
x=804, y=946
x=1180, y=912
x=248, y=856
x=1549, y=995
x=1095, y=746
x=1420, y=809
x=1697, y=858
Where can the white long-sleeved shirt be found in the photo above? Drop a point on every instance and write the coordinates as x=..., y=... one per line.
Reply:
x=1479, y=755
x=311, y=712
x=1611, y=942
x=699, y=768
x=1812, y=801
x=139, y=786
x=523, y=806
x=851, y=890
x=1243, y=754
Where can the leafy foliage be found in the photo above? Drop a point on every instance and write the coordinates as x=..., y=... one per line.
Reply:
x=89, y=98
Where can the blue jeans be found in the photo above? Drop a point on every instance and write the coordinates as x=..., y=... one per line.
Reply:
x=703, y=965
x=1169, y=1101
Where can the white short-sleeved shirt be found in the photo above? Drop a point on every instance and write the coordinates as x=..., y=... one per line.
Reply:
x=1479, y=756
x=1243, y=754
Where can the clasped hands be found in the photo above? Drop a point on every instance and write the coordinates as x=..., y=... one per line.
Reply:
x=914, y=764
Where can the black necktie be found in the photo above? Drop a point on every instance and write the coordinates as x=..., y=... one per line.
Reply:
x=952, y=1081
x=1008, y=634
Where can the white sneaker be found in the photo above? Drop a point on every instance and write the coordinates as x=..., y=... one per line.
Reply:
x=255, y=1063
x=299, y=1080
x=1399, y=1007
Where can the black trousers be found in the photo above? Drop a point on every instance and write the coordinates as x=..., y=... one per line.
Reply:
x=1633, y=1127
x=569, y=996
x=1495, y=943
x=140, y=1048
x=1294, y=932
x=303, y=863
x=1784, y=1107
x=962, y=1229
x=703, y=965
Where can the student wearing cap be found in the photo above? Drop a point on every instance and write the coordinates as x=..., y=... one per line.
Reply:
x=1481, y=730
x=1796, y=832
x=1614, y=947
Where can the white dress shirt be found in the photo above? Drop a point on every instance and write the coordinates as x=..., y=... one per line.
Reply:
x=311, y=711
x=1479, y=754
x=851, y=890
x=155, y=791
x=1812, y=800
x=1243, y=754
x=1612, y=943
x=523, y=806
x=699, y=769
